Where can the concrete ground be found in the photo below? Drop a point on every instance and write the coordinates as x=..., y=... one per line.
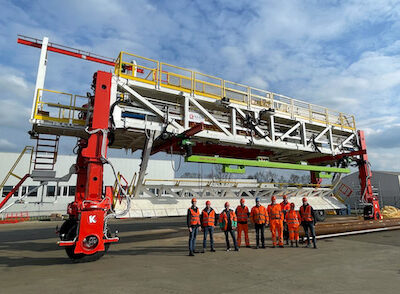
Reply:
x=152, y=258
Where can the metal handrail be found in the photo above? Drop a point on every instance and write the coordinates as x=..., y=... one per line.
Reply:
x=71, y=108
x=11, y=171
x=331, y=117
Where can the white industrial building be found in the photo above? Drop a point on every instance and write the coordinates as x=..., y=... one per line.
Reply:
x=52, y=198
x=385, y=184
x=161, y=194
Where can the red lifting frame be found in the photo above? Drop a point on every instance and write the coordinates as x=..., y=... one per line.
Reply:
x=365, y=174
x=89, y=206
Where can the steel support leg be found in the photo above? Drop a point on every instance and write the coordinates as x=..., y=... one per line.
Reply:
x=145, y=160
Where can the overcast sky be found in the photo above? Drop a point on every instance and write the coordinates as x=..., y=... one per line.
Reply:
x=341, y=54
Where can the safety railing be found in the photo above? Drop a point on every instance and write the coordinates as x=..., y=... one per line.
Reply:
x=61, y=107
x=11, y=172
x=161, y=74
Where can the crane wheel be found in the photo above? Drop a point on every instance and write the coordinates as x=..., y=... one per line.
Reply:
x=68, y=232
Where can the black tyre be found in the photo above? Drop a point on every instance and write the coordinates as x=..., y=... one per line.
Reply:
x=320, y=215
x=68, y=231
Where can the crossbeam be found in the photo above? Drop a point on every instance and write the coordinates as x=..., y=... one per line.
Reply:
x=262, y=163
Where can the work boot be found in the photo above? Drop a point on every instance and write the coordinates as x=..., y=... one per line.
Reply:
x=248, y=246
x=291, y=243
x=228, y=249
x=191, y=253
x=280, y=246
x=297, y=243
x=263, y=247
x=237, y=249
x=273, y=246
x=212, y=250
x=315, y=246
x=257, y=247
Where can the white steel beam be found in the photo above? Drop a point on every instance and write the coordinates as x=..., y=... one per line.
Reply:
x=41, y=74
x=296, y=126
x=209, y=116
x=344, y=142
x=320, y=135
x=150, y=106
x=233, y=121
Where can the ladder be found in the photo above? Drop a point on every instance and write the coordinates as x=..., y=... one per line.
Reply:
x=46, y=152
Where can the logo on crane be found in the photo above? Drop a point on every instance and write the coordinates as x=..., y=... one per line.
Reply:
x=92, y=219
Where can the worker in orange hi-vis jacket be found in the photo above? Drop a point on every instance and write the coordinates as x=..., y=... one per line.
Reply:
x=259, y=217
x=275, y=222
x=242, y=214
x=285, y=205
x=292, y=219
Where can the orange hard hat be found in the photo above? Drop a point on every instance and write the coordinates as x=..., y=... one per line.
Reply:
x=208, y=202
x=226, y=204
x=304, y=199
x=194, y=200
x=242, y=201
x=284, y=197
x=273, y=198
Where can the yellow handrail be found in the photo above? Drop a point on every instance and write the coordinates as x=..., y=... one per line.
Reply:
x=69, y=106
x=11, y=171
x=221, y=87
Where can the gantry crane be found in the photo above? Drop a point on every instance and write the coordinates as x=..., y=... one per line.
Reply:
x=154, y=106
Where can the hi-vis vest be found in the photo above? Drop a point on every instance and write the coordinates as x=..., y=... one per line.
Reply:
x=259, y=214
x=208, y=219
x=275, y=212
x=292, y=218
x=242, y=213
x=306, y=214
x=194, y=217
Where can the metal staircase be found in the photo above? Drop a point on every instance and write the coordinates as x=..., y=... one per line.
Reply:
x=46, y=152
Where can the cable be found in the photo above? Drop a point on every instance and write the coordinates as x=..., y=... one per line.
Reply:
x=104, y=159
x=180, y=162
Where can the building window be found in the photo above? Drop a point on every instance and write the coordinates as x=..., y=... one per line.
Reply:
x=6, y=190
x=51, y=191
x=32, y=194
x=71, y=191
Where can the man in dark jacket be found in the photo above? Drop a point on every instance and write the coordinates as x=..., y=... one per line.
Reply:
x=228, y=223
x=307, y=216
x=193, y=223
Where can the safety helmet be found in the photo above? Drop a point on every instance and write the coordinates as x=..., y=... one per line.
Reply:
x=284, y=197
x=304, y=199
x=208, y=202
x=273, y=198
x=226, y=204
x=258, y=199
x=194, y=200
x=242, y=201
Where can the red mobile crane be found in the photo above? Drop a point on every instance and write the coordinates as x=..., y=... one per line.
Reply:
x=85, y=234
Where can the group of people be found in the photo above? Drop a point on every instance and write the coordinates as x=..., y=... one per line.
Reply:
x=282, y=219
